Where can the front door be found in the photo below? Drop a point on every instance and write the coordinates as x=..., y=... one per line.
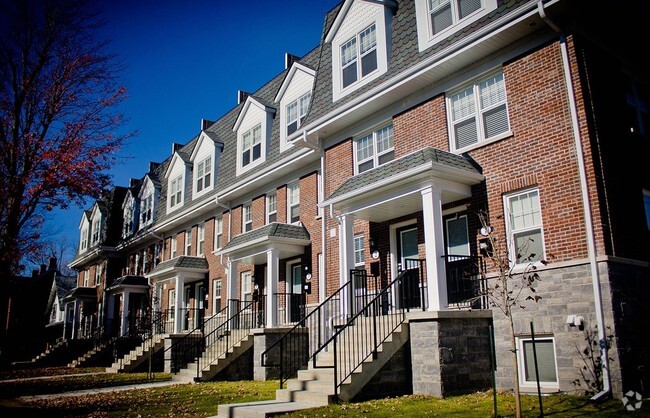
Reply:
x=408, y=266
x=460, y=268
x=296, y=302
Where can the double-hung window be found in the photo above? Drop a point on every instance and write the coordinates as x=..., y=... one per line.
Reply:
x=247, y=218
x=374, y=149
x=96, y=228
x=203, y=174
x=176, y=191
x=84, y=240
x=146, y=211
x=246, y=279
x=478, y=112
x=172, y=303
x=296, y=112
x=359, y=56
x=86, y=278
x=216, y=291
x=446, y=13
x=271, y=208
x=174, y=247
x=251, y=145
x=293, y=202
x=359, y=250
x=218, y=233
x=127, y=227
x=188, y=242
x=525, y=234
x=200, y=239
x=98, y=274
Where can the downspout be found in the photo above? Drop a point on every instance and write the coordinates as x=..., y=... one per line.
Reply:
x=229, y=208
x=322, y=268
x=586, y=205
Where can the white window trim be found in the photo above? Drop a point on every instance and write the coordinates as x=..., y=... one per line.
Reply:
x=128, y=222
x=200, y=240
x=218, y=232
x=375, y=155
x=481, y=140
x=174, y=247
x=382, y=20
x=178, y=202
x=83, y=245
x=510, y=234
x=268, y=209
x=188, y=242
x=522, y=365
x=86, y=274
x=206, y=173
x=291, y=204
x=246, y=207
x=360, y=237
x=98, y=274
x=246, y=285
x=425, y=37
x=171, y=302
x=96, y=231
x=149, y=197
x=216, y=295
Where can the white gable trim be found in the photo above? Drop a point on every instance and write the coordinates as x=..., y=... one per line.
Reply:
x=128, y=199
x=84, y=219
x=173, y=163
x=287, y=80
x=147, y=186
x=344, y=11
x=242, y=114
x=202, y=137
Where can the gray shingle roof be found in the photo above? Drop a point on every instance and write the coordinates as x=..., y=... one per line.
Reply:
x=130, y=281
x=272, y=230
x=400, y=165
x=182, y=262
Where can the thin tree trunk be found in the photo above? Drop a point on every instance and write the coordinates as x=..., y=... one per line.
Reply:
x=513, y=348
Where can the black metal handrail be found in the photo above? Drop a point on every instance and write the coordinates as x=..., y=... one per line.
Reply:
x=413, y=287
x=232, y=330
x=292, y=351
x=294, y=305
x=362, y=335
x=465, y=283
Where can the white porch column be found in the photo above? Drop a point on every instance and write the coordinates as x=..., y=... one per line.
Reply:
x=124, y=322
x=178, y=321
x=434, y=249
x=231, y=281
x=346, y=257
x=271, y=286
x=75, y=319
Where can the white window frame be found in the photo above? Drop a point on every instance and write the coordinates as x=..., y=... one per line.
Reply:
x=188, y=242
x=176, y=192
x=171, y=302
x=246, y=217
x=98, y=274
x=512, y=232
x=96, y=229
x=200, y=240
x=293, y=200
x=301, y=106
x=216, y=293
x=646, y=205
x=86, y=274
x=250, y=133
x=127, y=225
x=359, y=250
x=246, y=286
x=477, y=113
x=203, y=172
x=174, y=246
x=271, y=207
x=218, y=233
x=83, y=246
x=375, y=156
x=426, y=37
x=146, y=210
x=521, y=359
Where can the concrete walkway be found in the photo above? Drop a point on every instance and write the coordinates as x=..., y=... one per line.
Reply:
x=102, y=390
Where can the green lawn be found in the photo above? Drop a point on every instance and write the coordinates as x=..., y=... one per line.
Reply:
x=47, y=371
x=202, y=400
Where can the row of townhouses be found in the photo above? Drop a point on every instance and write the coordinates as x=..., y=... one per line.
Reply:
x=350, y=186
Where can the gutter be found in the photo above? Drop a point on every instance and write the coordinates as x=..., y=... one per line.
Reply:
x=586, y=205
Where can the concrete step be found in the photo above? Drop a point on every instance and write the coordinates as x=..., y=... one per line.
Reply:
x=305, y=396
x=261, y=409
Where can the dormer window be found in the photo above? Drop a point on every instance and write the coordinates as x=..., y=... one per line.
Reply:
x=296, y=112
x=251, y=149
x=438, y=19
x=83, y=246
x=176, y=191
x=127, y=227
x=359, y=56
x=95, y=229
x=146, y=210
x=204, y=174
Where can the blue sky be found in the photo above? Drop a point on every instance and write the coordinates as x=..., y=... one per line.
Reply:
x=185, y=60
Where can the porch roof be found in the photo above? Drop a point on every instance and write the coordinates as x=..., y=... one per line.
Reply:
x=124, y=281
x=287, y=238
x=184, y=262
x=427, y=158
x=82, y=293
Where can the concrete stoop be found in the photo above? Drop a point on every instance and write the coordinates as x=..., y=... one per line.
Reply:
x=314, y=387
x=90, y=355
x=221, y=362
x=138, y=355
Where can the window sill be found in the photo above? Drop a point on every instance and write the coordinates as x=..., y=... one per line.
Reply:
x=482, y=144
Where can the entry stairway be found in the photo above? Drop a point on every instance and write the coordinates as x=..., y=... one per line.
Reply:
x=314, y=386
x=139, y=355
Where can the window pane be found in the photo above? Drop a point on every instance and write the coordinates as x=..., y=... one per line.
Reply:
x=366, y=166
x=495, y=121
x=349, y=51
x=462, y=104
x=384, y=158
x=273, y=217
x=292, y=112
x=465, y=133
x=364, y=148
x=257, y=151
x=295, y=213
x=246, y=158
x=368, y=39
x=304, y=104
x=384, y=139
x=257, y=134
x=208, y=178
x=493, y=91
x=349, y=74
x=529, y=243
x=292, y=127
x=457, y=236
x=441, y=19
x=466, y=7
x=545, y=361
x=525, y=210
x=359, y=255
x=368, y=63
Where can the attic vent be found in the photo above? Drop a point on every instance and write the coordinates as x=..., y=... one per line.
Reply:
x=289, y=59
x=176, y=147
x=241, y=96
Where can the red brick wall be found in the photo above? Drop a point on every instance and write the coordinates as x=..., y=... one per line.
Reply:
x=259, y=211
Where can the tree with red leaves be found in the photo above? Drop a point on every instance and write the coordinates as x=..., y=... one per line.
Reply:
x=58, y=116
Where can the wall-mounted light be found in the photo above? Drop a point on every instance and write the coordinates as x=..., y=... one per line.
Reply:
x=486, y=230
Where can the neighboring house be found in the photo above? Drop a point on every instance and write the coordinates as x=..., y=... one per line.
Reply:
x=61, y=287
x=375, y=151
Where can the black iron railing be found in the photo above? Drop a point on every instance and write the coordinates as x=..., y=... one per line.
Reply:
x=292, y=306
x=190, y=318
x=465, y=284
x=413, y=285
x=292, y=351
x=362, y=335
x=231, y=330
